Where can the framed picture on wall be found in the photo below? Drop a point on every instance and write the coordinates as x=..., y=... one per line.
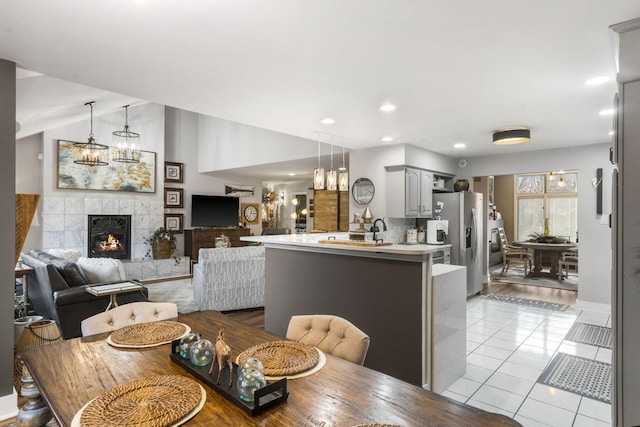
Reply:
x=173, y=222
x=173, y=197
x=173, y=172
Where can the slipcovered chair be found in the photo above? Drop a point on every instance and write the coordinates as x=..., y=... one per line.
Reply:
x=128, y=314
x=331, y=334
x=513, y=254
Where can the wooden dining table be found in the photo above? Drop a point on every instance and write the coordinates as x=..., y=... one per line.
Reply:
x=550, y=251
x=71, y=373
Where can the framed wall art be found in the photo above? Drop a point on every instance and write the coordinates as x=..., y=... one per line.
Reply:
x=134, y=177
x=173, y=197
x=173, y=172
x=173, y=223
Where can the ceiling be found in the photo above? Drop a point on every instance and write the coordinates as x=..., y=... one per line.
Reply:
x=456, y=70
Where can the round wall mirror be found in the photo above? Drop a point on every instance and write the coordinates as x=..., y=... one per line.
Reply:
x=363, y=191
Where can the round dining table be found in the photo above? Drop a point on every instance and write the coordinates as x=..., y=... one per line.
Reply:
x=550, y=251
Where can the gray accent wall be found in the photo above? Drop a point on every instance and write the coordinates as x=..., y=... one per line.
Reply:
x=8, y=215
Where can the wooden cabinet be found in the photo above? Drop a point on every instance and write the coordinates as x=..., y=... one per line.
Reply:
x=331, y=210
x=409, y=192
x=206, y=238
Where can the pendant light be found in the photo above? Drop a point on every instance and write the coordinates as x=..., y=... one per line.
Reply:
x=332, y=176
x=90, y=153
x=318, y=173
x=126, y=144
x=343, y=176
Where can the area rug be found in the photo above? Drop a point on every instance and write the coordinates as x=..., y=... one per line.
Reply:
x=515, y=274
x=178, y=291
x=527, y=302
x=578, y=375
x=590, y=334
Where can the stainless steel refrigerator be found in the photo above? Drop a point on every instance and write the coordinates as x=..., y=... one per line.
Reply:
x=463, y=210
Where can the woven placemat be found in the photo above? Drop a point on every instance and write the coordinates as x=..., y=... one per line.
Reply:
x=283, y=357
x=148, y=334
x=157, y=401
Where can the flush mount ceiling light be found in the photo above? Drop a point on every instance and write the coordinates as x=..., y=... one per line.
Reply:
x=513, y=135
x=126, y=144
x=90, y=153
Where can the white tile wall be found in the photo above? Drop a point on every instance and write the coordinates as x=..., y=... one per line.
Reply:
x=64, y=222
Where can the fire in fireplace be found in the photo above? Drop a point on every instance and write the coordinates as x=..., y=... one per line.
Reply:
x=109, y=236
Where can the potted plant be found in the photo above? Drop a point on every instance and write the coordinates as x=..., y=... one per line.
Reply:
x=162, y=243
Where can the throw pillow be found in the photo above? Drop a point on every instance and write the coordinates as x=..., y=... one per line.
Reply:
x=68, y=254
x=99, y=270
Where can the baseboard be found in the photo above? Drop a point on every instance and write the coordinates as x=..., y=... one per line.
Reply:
x=9, y=406
x=593, y=306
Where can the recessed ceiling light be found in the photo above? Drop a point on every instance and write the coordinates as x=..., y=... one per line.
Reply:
x=597, y=80
x=327, y=121
x=292, y=174
x=607, y=112
x=387, y=139
x=459, y=145
x=387, y=107
x=611, y=133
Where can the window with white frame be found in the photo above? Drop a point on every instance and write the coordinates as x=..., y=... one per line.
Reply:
x=551, y=195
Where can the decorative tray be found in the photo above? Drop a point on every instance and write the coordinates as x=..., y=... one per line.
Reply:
x=270, y=395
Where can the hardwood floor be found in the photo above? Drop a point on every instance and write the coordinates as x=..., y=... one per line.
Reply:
x=253, y=317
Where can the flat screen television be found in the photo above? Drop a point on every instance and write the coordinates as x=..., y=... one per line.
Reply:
x=214, y=211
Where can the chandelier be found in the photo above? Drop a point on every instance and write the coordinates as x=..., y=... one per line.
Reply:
x=126, y=144
x=90, y=153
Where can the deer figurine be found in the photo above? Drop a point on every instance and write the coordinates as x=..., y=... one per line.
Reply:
x=222, y=354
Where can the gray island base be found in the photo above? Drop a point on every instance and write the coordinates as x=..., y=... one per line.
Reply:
x=389, y=292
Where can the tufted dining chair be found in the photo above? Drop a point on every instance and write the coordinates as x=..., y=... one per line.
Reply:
x=513, y=254
x=128, y=314
x=331, y=334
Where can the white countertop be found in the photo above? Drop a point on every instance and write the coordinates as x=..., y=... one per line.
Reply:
x=310, y=240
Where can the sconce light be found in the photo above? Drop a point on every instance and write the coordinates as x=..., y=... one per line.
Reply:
x=294, y=201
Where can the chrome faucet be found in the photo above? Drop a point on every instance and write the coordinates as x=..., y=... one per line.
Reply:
x=375, y=228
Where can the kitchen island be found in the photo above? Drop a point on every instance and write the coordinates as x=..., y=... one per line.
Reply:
x=387, y=291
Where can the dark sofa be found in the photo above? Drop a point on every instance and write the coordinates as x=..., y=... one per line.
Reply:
x=57, y=291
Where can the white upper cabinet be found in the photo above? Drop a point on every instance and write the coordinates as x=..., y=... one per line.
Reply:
x=409, y=193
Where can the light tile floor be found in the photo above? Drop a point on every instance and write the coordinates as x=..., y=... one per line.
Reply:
x=508, y=347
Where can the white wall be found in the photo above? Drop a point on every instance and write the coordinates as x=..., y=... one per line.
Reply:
x=64, y=218
x=370, y=163
x=595, y=234
x=184, y=144
x=226, y=145
x=29, y=181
